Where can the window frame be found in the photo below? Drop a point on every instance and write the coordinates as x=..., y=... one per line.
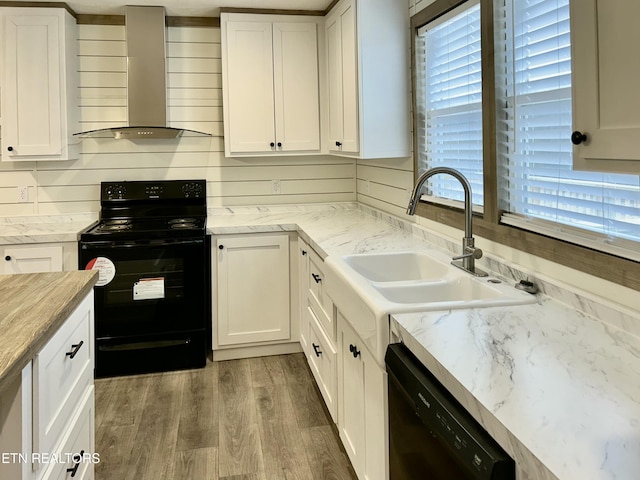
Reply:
x=622, y=271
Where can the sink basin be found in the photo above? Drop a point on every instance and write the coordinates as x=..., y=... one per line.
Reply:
x=397, y=266
x=463, y=289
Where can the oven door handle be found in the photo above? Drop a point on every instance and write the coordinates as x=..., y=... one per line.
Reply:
x=140, y=243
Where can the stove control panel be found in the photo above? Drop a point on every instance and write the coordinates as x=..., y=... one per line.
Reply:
x=155, y=190
x=192, y=190
x=115, y=191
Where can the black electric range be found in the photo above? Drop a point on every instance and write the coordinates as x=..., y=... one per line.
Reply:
x=153, y=296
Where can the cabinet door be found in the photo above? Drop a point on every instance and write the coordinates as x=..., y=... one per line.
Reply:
x=342, y=64
x=31, y=109
x=604, y=37
x=322, y=360
x=249, y=87
x=297, y=108
x=303, y=274
x=334, y=70
x=351, y=395
x=253, y=289
x=62, y=373
x=25, y=259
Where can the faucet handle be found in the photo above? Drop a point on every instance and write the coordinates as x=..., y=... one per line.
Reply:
x=470, y=252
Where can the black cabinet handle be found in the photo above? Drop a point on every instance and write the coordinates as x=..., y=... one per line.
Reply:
x=338, y=144
x=316, y=348
x=316, y=277
x=578, y=137
x=220, y=247
x=8, y=258
x=272, y=144
x=354, y=350
x=279, y=144
x=74, y=349
x=304, y=252
x=10, y=148
x=77, y=463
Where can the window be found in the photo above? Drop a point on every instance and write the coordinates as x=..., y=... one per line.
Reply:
x=539, y=187
x=530, y=179
x=449, y=101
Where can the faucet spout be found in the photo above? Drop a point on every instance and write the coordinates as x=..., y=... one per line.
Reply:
x=469, y=252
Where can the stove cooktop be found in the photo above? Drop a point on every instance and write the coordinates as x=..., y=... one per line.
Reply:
x=150, y=209
x=140, y=228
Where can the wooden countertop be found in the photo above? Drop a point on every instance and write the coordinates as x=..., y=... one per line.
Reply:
x=32, y=308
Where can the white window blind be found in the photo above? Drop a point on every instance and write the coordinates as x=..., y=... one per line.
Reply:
x=449, y=101
x=537, y=185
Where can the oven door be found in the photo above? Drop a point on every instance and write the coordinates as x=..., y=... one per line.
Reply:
x=148, y=286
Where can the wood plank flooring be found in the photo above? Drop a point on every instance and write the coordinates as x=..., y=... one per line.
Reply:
x=250, y=419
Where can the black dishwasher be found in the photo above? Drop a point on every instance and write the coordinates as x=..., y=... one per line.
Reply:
x=431, y=436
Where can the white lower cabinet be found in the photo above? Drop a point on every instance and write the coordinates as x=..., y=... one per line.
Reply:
x=252, y=289
x=322, y=360
x=362, y=405
x=31, y=259
x=47, y=414
x=62, y=374
x=317, y=326
x=78, y=445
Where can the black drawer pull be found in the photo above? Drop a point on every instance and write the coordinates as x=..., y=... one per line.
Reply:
x=77, y=463
x=304, y=252
x=74, y=351
x=354, y=350
x=316, y=348
x=8, y=258
x=316, y=277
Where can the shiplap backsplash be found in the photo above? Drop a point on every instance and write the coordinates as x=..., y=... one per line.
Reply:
x=194, y=102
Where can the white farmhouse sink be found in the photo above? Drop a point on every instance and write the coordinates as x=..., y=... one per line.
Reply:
x=367, y=288
x=400, y=266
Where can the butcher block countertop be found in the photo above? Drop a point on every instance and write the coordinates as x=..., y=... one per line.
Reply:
x=32, y=308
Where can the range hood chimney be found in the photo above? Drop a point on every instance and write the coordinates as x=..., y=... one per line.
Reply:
x=146, y=78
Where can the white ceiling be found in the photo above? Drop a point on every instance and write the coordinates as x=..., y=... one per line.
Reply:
x=190, y=8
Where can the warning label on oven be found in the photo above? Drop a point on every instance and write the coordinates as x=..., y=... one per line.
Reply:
x=148, y=288
x=106, y=270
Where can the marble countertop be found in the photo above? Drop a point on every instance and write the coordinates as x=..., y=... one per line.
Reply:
x=32, y=308
x=333, y=229
x=558, y=388
x=43, y=229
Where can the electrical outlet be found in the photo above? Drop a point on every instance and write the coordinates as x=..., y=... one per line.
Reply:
x=23, y=194
x=275, y=186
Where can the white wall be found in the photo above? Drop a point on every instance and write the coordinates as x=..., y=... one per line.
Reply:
x=195, y=102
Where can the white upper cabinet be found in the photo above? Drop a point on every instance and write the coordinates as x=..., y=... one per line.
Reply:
x=38, y=84
x=606, y=73
x=270, y=84
x=368, y=79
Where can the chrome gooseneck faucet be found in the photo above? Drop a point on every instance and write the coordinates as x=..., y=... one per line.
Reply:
x=470, y=253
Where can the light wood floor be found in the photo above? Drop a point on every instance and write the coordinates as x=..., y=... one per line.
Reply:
x=250, y=419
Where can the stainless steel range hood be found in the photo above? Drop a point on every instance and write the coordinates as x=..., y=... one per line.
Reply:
x=146, y=78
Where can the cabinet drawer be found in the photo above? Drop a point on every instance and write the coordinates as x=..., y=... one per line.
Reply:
x=319, y=300
x=322, y=358
x=77, y=446
x=62, y=371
